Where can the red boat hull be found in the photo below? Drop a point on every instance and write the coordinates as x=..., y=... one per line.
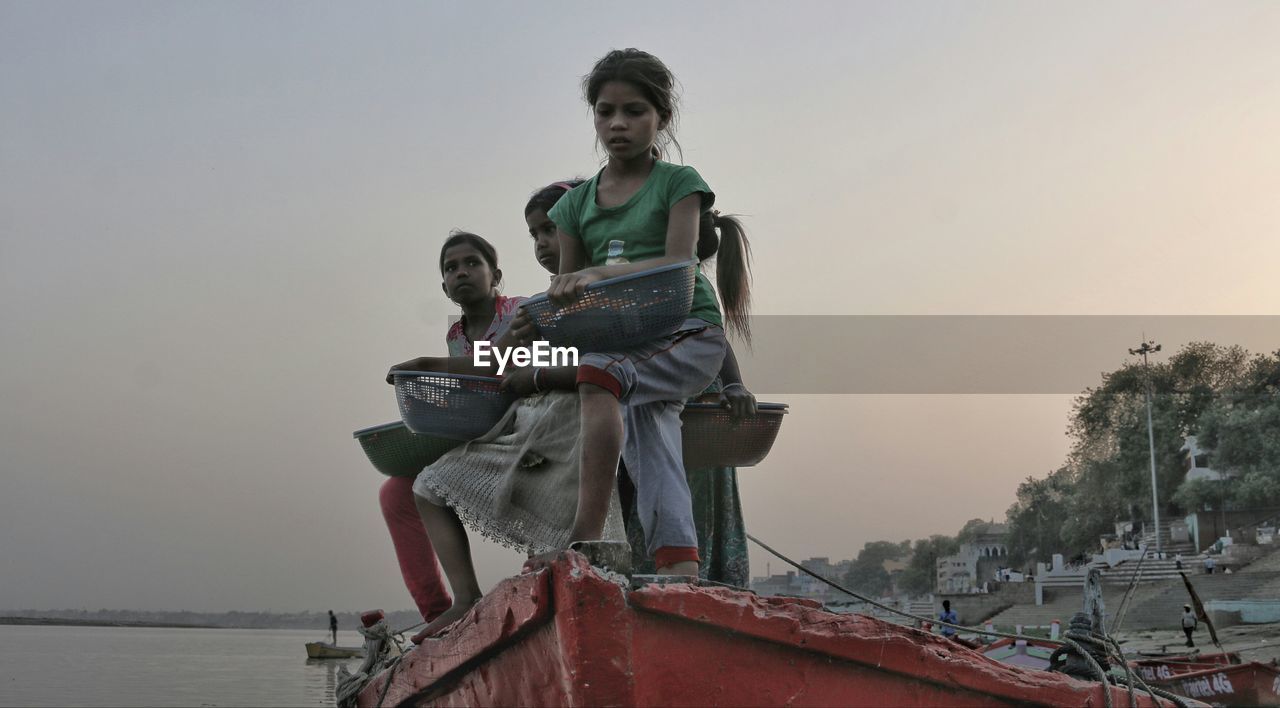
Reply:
x=571, y=636
x=1251, y=684
x=1168, y=667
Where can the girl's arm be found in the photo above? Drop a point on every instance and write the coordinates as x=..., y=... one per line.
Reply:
x=573, y=255
x=445, y=365
x=733, y=394
x=682, y=238
x=520, y=381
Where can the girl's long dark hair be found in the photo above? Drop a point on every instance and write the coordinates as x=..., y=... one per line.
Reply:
x=724, y=238
x=547, y=197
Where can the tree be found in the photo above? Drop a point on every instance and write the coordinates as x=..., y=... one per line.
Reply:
x=867, y=573
x=971, y=529
x=1107, y=475
x=1110, y=455
x=1240, y=431
x=921, y=575
x=1038, y=516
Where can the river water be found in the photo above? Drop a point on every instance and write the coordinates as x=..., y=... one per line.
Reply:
x=119, y=666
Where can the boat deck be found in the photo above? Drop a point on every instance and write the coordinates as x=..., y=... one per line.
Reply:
x=574, y=635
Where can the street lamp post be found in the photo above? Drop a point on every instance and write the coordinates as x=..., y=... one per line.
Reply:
x=1144, y=350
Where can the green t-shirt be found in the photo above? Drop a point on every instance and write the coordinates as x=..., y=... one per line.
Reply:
x=637, y=230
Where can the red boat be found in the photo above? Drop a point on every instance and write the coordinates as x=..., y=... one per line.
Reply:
x=1250, y=684
x=1027, y=653
x=1166, y=667
x=573, y=635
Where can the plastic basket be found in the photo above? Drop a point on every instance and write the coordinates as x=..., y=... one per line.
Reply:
x=713, y=438
x=398, y=452
x=449, y=405
x=619, y=312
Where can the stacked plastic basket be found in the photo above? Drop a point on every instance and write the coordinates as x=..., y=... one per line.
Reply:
x=619, y=312
x=449, y=405
x=398, y=452
x=713, y=438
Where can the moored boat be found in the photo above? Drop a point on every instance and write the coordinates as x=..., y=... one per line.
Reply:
x=325, y=650
x=1166, y=667
x=1027, y=653
x=1249, y=684
x=574, y=635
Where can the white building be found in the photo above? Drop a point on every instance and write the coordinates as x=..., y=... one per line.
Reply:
x=1196, y=462
x=976, y=563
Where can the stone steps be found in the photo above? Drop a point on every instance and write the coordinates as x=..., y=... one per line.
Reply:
x=1160, y=606
x=1155, y=605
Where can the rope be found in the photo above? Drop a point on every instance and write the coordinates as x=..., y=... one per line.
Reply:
x=1174, y=698
x=1067, y=643
x=377, y=644
x=1128, y=673
x=395, y=664
x=1098, y=673
x=1131, y=677
x=1129, y=593
x=895, y=610
x=413, y=626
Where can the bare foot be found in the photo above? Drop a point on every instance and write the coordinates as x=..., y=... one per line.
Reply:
x=437, y=626
x=540, y=561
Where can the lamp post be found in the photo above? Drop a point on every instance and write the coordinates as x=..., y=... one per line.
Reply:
x=1151, y=348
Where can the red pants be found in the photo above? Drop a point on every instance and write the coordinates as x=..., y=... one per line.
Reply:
x=417, y=558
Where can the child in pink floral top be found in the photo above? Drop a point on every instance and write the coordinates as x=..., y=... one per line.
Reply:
x=469, y=268
x=504, y=310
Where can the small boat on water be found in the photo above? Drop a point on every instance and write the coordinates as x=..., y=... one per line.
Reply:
x=572, y=634
x=325, y=650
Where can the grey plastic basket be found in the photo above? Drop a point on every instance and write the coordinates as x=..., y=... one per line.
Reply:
x=396, y=451
x=713, y=438
x=619, y=312
x=449, y=405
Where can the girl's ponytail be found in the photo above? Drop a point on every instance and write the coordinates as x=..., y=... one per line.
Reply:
x=733, y=267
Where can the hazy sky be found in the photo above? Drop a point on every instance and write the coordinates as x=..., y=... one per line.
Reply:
x=219, y=224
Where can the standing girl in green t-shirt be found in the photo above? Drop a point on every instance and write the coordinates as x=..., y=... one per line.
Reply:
x=637, y=213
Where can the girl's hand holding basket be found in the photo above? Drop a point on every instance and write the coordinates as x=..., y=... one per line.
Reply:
x=521, y=333
x=569, y=287
x=520, y=381
x=740, y=402
x=419, y=364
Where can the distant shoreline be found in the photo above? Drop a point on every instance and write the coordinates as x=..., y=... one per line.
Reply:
x=57, y=622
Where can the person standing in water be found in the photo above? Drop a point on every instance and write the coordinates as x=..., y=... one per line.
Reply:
x=333, y=627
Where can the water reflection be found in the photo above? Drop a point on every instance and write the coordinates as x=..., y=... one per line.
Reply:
x=330, y=668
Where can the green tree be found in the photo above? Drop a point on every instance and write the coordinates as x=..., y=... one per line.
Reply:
x=1038, y=516
x=1240, y=431
x=971, y=529
x=921, y=575
x=1107, y=475
x=867, y=573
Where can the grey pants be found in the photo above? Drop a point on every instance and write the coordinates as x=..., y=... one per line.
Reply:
x=652, y=382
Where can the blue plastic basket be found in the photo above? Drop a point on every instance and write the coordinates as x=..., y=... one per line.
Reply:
x=449, y=405
x=713, y=438
x=396, y=451
x=619, y=312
